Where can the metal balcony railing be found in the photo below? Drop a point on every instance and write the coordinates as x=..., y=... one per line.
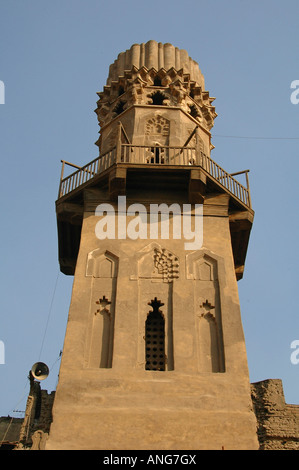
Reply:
x=154, y=155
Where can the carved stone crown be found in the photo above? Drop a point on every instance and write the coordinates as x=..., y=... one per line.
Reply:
x=158, y=56
x=155, y=74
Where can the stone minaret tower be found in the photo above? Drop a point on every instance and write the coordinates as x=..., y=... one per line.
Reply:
x=155, y=233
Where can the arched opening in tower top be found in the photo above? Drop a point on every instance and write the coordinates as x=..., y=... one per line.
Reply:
x=119, y=108
x=193, y=111
x=157, y=98
x=155, y=338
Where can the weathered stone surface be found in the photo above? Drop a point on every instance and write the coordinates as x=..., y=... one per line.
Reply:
x=278, y=422
x=191, y=404
x=37, y=420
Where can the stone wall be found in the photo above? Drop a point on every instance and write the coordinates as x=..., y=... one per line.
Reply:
x=278, y=422
x=38, y=417
x=9, y=432
x=277, y=428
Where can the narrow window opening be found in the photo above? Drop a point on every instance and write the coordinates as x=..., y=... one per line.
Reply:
x=155, y=338
x=121, y=90
x=157, y=155
x=157, y=81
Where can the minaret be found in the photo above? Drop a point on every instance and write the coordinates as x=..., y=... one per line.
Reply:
x=155, y=233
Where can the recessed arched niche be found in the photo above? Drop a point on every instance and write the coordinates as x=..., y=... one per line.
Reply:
x=101, y=264
x=156, y=270
x=102, y=268
x=202, y=267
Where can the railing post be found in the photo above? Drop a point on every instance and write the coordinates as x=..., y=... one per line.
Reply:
x=198, y=148
x=118, y=144
x=61, y=177
x=248, y=189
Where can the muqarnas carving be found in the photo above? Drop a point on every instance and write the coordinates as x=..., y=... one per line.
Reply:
x=156, y=263
x=166, y=264
x=102, y=267
x=202, y=268
x=162, y=87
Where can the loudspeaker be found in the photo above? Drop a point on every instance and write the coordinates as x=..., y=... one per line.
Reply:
x=40, y=371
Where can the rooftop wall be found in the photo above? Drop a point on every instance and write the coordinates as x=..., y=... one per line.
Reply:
x=278, y=422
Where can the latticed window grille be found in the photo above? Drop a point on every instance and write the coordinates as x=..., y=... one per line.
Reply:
x=155, y=338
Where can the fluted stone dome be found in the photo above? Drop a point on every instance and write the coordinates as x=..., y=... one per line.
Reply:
x=155, y=55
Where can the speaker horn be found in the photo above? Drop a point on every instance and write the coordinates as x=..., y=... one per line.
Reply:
x=40, y=371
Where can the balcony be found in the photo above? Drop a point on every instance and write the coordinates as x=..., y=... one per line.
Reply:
x=155, y=157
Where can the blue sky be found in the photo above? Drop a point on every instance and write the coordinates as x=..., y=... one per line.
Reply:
x=54, y=57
